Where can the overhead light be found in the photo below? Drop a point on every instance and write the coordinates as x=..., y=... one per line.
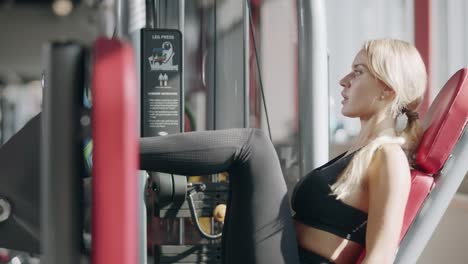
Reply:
x=62, y=7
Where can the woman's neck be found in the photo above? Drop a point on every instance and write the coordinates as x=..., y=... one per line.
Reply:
x=373, y=128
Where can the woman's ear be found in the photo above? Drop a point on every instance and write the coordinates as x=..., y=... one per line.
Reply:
x=388, y=92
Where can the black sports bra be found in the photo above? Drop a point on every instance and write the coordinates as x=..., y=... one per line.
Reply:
x=316, y=207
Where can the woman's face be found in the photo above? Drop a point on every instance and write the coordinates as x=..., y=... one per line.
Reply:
x=361, y=90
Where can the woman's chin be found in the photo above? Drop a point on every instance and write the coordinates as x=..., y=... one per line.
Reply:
x=347, y=113
x=344, y=112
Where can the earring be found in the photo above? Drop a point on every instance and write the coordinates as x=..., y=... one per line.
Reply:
x=382, y=97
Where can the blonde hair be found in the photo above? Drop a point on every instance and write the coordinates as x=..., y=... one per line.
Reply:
x=399, y=65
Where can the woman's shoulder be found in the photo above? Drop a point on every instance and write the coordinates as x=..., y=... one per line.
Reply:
x=390, y=161
x=386, y=149
x=390, y=152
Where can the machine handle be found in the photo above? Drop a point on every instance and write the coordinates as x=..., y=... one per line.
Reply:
x=195, y=216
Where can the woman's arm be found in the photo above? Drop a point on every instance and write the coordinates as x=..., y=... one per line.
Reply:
x=389, y=183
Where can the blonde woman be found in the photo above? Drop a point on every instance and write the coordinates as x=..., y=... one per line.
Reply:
x=356, y=201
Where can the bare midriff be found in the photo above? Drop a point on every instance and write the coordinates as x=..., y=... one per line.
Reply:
x=337, y=249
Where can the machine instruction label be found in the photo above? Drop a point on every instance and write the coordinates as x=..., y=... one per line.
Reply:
x=161, y=79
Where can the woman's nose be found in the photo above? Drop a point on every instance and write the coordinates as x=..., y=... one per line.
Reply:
x=345, y=82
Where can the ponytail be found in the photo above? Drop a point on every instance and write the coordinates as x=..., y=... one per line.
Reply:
x=412, y=133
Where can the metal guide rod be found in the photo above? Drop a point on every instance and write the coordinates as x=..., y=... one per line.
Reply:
x=246, y=53
x=182, y=84
x=136, y=21
x=313, y=84
x=122, y=9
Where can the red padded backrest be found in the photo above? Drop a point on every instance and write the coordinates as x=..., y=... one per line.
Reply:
x=444, y=124
x=421, y=185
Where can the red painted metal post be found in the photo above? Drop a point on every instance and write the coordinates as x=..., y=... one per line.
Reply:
x=422, y=37
x=115, y=154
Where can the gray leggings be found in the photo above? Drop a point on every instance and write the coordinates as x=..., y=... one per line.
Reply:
x=258, y=225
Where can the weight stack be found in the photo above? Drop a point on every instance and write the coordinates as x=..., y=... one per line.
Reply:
x=177, y=238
